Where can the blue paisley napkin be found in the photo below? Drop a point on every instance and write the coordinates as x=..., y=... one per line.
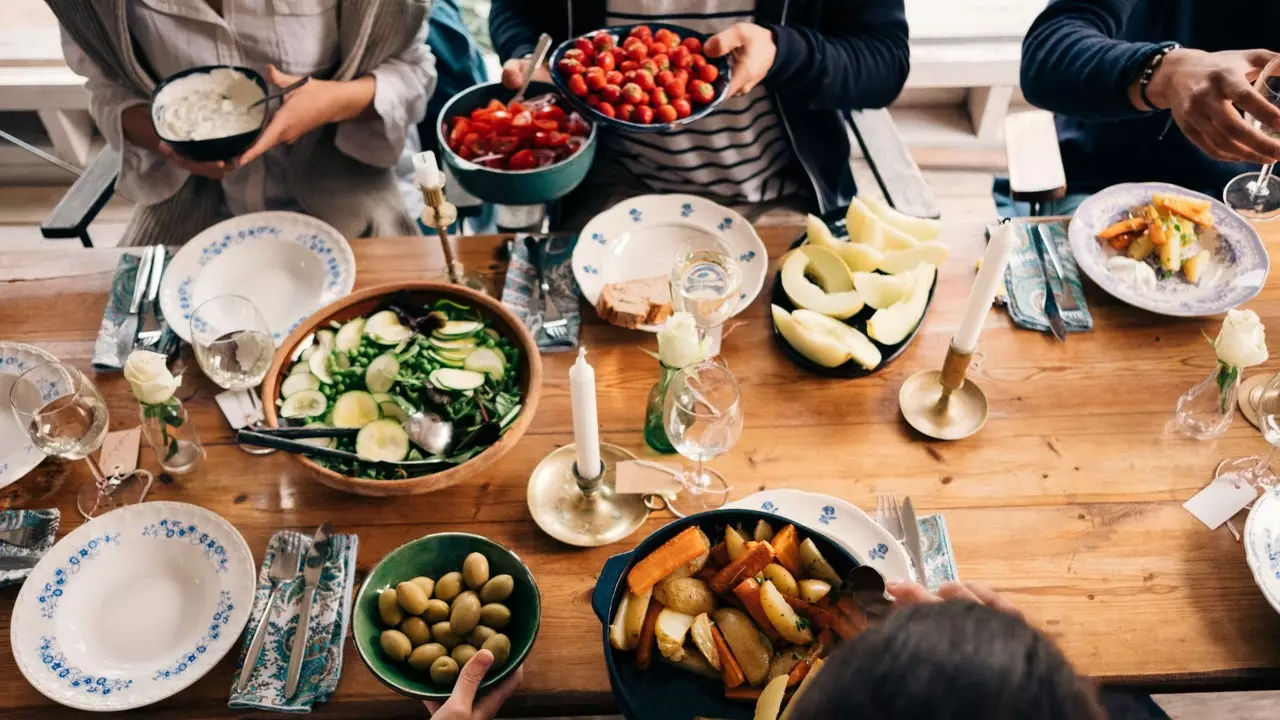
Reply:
x=43, y=526
x=939, y=563
x=1024, y=281
x=330, y=614
x=517, y=293
x=105, y=353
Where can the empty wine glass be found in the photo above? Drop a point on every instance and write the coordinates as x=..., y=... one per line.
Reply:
x=234, y=347
x=65, y=416
x=1256, y=195
x=703, y=413
x=1256, y=469
x=704, y=283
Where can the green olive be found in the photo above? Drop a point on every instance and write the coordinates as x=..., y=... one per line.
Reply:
x=498, y=589
x=475, y=570
x=448, y=587
x=427, y=584
x=396, y=645
x=389, y=608
x=500, y=646
x=411, y=598
x=444, y=671
x=423, y=655
x=463, y=654
x=465, y=614
x=441, y=633
x=415, y=628
x=480, y=634
x=437, y=610
x=495, y=615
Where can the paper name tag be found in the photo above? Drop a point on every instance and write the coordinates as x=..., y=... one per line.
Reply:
x=1223, y=498
x=237, y=407
x=120, y=451
x=636, y=477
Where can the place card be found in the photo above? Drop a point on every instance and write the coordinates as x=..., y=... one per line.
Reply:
x=641, y=477
x=1223, y=498
x=120, y=451
x=236, y=407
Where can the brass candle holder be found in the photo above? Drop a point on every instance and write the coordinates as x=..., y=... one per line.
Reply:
x=587, y=512
x=944, y=405
x=439, y=213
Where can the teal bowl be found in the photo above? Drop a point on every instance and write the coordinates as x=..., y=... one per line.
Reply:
x=433, y=556
x=512, y=187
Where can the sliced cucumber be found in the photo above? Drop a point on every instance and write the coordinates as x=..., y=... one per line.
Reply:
x=338, y=361
x=355, y=409
x=381, y=397
x=382, y=441
x=319, y=364
x=392, y=410
x=304, y=403
x=307, y=352
x=493, y=334
x=451, y=379
x=319, y=442
x=381, y=374
x=407, y=354
x=488, y=361
x=325, y=339
x=349, y=336
x=455, y=355
x=385, y=329
x=510, y=417
x=299, y=368
x=458, y=329
x=465, y=343
x=298, y=382
x=451, y=362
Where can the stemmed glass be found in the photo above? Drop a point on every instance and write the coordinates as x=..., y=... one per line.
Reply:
x=703, y=413
x=65, y=416
x=1256, y=195
x=234, y=347
x=1256, y=469
x=704, y=283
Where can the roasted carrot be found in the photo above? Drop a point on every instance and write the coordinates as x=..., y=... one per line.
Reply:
x=706, y=573
x=757, y=556
x=850, y=620
x=669, y=557
x=786, y=545
x=1120, y=242
x=826, y=637
x=731, y=671
x=719, y=556
x=820, y=617
x=802, y=668
x=1197, y=211
x=748, y=593
x=743, y=693
x=648, y=636
x=1127, y=225
x=1155, y=227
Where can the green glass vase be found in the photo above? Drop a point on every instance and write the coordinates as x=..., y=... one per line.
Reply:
x=655, y=427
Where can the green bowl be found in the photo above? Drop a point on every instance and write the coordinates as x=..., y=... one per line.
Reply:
x=433, y=556
x=512, y=187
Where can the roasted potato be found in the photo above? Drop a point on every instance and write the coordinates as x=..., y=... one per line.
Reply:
x=816, y=566
x=696, y=664
x=804, y=685
x=793, y=628
x=703, y=640
x=764, y=531
x=786, y=660
x=618, y=636
x=770, y=702
x=813, y=590
x=672, y=630
x=749, y=647
x=734, y=543
x=690, y=596
x=636, y=608
x=693, y=567
x=782, y=579
x=1140, y=248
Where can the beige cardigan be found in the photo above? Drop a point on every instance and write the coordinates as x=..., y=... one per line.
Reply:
x=357, y=199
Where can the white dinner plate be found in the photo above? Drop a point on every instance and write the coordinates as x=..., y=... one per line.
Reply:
x=1262, y=544
x=639, y=238
x=133, y=606
x=17, y=455
x=843, y=522
x=287, y=264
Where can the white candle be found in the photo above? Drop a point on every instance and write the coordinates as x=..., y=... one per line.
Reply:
x=586, y=426
x=990, y=276
x=426, y=172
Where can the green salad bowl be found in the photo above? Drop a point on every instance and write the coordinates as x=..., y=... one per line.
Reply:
x=434, y=556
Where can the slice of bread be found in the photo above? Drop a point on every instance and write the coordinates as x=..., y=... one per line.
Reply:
x=633, y=303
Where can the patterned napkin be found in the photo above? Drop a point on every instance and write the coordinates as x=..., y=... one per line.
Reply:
x=1024, y=281
x=330, y=615
x=105, y=355
x=43, y=526
x=518, y=290
x=939, y=563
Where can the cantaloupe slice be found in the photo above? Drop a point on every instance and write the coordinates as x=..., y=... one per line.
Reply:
x=925, y=253
x=831, y=272
x=857, y=346
x=921, y=229
x=823, y=340
x=867, y=228
x=893, y=324
x=881, y=291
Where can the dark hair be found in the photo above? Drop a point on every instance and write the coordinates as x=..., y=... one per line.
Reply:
x=949, y=661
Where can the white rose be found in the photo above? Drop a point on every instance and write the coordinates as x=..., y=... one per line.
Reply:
x=678, y=342
x=1242, y=342
x=149, y=377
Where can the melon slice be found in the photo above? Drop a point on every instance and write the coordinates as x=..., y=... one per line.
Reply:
x=869, y=229
x=921, y=229
x=892, y=325
x=881, y=291
x=925, y=253
x=833, y=294
x=823, y=340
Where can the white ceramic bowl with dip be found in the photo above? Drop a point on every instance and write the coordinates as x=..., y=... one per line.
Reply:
x=203, y=112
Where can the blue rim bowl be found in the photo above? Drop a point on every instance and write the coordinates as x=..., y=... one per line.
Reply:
x=213, y=149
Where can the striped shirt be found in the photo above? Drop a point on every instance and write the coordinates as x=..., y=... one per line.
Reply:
x=740, y=151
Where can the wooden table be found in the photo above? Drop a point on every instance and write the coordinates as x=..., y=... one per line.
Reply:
x=1068, y=502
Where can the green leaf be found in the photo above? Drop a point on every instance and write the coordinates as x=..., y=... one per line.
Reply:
x=802, y=623
x=173, y=448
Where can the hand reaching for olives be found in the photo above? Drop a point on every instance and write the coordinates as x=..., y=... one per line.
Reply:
x=462, y=704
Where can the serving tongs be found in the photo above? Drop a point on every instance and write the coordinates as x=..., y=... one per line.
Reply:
x=289, y=440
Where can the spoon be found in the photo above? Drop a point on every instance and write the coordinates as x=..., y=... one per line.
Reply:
x=281, y=92
x=429, y=431
x=866, y=585
x=535, y=61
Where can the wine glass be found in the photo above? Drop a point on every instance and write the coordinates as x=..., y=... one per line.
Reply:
x=65, y=416
x=1256, y=195
x=703, y=413
x=234, y=347
x=1256, y=469
x=704, y=283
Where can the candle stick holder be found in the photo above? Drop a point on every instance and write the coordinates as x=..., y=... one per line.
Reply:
x=586, y=512
x=440, y=214
x=944, y=405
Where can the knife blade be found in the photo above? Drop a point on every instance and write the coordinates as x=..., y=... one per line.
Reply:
x=1051, y=311
x=912, y=532
x=153, y=288
x=311, y=570
x=127, y=333
x=1067, y=299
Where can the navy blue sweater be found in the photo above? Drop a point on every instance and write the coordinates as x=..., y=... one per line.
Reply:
x=832, y=56
x=1081, y=56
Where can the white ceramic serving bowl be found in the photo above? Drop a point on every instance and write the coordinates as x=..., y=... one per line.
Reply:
x=17, y=455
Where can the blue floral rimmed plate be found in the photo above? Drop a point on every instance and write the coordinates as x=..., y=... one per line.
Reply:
x=287, y=264
x=1238, y=268
x=17, y=455
x=1262, y=544
x=133, y=606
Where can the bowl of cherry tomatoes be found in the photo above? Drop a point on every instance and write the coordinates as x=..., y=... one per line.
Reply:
x=508, y=153
x=641, y=78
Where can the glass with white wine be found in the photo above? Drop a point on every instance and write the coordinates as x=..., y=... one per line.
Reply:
x=704, y=283
x=1256, y=195
x=234, y=347
x=703, y=413
x=65, y=416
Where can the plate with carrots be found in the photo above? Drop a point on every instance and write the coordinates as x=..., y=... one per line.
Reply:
x=1168, y=250
x=724, y=614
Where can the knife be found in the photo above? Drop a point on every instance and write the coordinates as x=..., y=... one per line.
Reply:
x=153, y=285
x=314, y=564
x=127, y=333
x=912, y=532
x=1056, y=323
x=1067, y=301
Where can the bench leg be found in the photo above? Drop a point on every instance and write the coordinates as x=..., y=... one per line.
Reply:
x=71, y=132
x=987, y=109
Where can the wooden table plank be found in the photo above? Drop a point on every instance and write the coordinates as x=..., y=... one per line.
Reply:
x=1068, y=502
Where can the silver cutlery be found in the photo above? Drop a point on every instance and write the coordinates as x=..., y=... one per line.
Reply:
x=17, y=536
x=866, y=585
x=554, y=324
x=316, y=557
x=127, y=334
x=281, y=92
x=283, y=569
x=150, y=339
x=281, y=439
x=535, y=61
x=1067, y=301
x=887, y=515
x=914, y=544
x=1051, y=311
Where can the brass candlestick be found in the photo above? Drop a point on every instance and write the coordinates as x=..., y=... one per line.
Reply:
x=944, y=405
x=439, y=213
x=587, y=512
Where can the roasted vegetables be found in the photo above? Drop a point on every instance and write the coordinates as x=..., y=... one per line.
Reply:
x=751, y=649
x=672, y=630
x=679, y=550
x=1169, y=233
x=754, y=559
x=793, y=628
x=704, y=639
x=690, y=596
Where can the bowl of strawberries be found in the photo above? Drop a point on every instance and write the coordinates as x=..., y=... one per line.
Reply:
x=640, y=78
x=525, y=153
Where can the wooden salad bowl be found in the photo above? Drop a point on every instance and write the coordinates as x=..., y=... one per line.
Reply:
x=363, y=303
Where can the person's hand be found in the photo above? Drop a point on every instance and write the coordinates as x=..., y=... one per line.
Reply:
x=906, y=594
x=318, y=103
x=1203, y=90
x=211, y=170
x=753, y=52
x=513, y=73
x=462, y=704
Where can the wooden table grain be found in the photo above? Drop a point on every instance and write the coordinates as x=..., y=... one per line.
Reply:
x=1068, y=502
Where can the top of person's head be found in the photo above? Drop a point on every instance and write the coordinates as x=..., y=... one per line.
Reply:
x=949, y=661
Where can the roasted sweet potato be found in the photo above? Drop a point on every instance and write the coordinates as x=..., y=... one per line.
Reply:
x=669, y=557
x=786, y=545
x=1127, y=225
x=802, y=668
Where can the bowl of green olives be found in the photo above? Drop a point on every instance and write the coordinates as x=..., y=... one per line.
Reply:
x=431, y=604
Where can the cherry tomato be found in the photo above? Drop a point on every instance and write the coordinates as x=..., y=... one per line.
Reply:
x=701, y=92
x=682, y=106
x=504, y=144
x=666, y=114
x=660, y=98
x=708, y=73
x=602, y=41
x=643, y=115
x=611, y=94
x=607, y=110
x=645, y=80
x=522, y=126
x=606, y=61
x=515, y=108
x=614, y=77
x=577, y=126
x=476, y=144
x=550, y=112
x=569, y=66
x=575, y=54
x=631, y=93
x=546, y=125
x=626, y=111
x=552, y=139
x=523, y=160
x=578, y=85
x=694, y=45
x=674, y=89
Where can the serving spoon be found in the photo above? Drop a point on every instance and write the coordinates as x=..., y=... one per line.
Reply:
x=289, y=440
x=281, y=92
x=535, y=61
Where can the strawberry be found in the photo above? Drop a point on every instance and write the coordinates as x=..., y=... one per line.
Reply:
x=643, y=115
x=666, y=114
x=681, y=60
x=626, y=111
x=611, y=94
x=578, y=85
x=699, y=61
x=602, y=41
x=637, y=52
x=614, y=77
x=675, y=90
x=607, y=110
x=584, y=44
x=645, y=80
x=645, y=99
x=708, y=73
x=649, y=65
x=682, y=77
x=660, y=98
x=575, y=54
x=662, y=60
x=632, y=93
x=629, y=66
x=664, y=78
x=641, y=31
x=605, y=61
x=595, y=78
x=666, y=37
x=694, y=45
x=701, y=92
x=683, y=108
x=569, y=66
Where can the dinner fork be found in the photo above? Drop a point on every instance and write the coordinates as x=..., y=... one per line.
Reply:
x=888, y=516
x=283, y=569
x=554, y=324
